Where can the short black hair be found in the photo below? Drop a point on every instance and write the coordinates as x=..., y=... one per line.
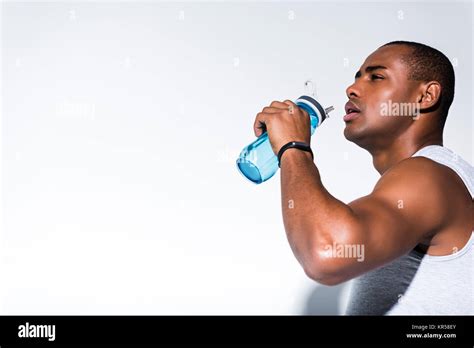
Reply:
x=428, y=64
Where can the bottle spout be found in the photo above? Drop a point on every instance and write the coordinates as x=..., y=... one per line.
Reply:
x=328, y=110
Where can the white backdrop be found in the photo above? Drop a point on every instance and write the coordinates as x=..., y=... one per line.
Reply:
x=121, y=123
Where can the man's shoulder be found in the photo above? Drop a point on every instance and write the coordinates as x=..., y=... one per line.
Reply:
x=416, y=173
x=427, y=189
x=422, y=172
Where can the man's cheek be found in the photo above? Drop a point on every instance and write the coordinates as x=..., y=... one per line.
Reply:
x=383, y=103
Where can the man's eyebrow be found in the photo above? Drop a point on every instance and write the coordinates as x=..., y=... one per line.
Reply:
x=369, y=69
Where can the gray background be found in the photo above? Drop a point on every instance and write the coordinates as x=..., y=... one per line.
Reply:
x=121, y=123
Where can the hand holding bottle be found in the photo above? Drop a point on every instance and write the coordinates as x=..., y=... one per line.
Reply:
x=283, y=122
x=276, y=126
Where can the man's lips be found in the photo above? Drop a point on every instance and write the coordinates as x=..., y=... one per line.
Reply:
x=351, y=116
x=352, y=111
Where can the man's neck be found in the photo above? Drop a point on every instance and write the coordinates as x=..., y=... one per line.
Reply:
x=399, y=150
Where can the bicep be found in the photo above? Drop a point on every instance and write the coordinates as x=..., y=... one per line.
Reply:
x=385, y=227
x=401, y=211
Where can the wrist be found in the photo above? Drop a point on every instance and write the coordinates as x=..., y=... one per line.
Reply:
x=295, y=147
x=293, y=153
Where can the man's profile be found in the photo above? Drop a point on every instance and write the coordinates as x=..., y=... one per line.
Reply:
x=409, y=244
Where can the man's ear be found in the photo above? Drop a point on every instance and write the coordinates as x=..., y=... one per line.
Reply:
x=429, y=96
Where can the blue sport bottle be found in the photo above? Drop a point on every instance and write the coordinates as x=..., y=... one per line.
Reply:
x=257, y=161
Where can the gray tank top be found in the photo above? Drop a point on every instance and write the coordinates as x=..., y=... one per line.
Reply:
x=420, y=284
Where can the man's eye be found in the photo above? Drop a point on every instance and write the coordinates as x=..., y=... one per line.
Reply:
x=375, y=77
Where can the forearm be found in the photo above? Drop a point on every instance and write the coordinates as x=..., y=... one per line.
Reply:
x=313, y=218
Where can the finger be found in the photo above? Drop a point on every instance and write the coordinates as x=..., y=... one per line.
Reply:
x=278, y=104
x=289, y=102
x=292, y=107
x=272, y=110
x=260, y=124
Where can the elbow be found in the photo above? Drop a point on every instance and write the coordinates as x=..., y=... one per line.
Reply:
x=335, y=258
x=323, y=277
x=325, y=269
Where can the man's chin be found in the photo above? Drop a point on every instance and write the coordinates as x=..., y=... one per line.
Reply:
x=354, y=135
x=350, y=133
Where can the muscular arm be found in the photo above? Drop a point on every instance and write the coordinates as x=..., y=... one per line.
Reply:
x=403, y=209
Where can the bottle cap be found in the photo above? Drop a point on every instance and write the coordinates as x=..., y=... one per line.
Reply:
x=320, y=112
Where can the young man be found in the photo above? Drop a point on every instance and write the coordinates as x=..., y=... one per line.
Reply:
x=416, y=227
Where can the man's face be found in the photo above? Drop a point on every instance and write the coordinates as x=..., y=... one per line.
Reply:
x=382, y=78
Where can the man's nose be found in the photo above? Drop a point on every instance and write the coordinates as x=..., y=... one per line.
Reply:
x=352, y=91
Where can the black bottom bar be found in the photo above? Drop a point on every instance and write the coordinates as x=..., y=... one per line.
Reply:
x=294, y=331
